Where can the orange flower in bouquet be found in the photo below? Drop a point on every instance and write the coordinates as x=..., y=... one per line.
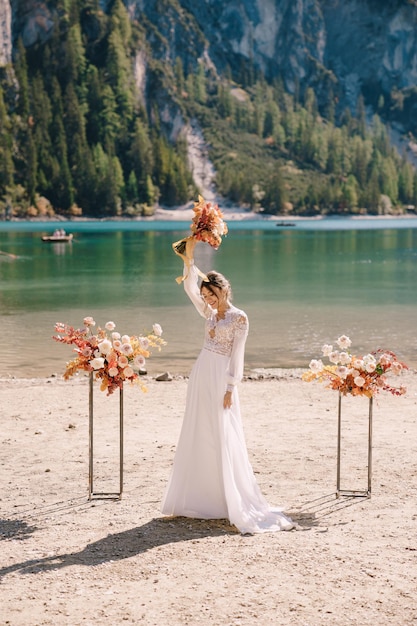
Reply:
x=207, y=225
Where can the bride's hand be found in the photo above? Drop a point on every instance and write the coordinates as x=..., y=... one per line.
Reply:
x=227, y=400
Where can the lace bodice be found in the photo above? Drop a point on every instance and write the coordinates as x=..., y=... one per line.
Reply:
x=220, y=335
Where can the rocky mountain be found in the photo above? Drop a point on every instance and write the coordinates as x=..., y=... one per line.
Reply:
x=340, y=48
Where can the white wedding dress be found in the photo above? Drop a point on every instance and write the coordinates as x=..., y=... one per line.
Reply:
x=212, y=477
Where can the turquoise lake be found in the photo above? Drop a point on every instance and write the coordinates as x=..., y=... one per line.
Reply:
x=301, y=286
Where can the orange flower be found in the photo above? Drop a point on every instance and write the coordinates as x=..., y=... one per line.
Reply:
x=358, y=376
x=111, y=361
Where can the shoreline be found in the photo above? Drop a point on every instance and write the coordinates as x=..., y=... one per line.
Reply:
x=258, y=374
x=186, y=213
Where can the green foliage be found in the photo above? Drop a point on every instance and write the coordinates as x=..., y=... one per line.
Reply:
x=295, y=158
x=76, y=129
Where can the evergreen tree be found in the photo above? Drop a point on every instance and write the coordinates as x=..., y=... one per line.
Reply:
x=200, y=91
x=272, y=120
x=26, y=161
x=275, y=193
x=132, y=190
x=6, y=147
x=415, y=190
x=42, y=115
x=372, y=194
x=406, y=182
x=79, y=153
x=388, y=179
x=349, y=192
x=179, y=76
x=361, y=116
x=62, y=190
x=141, y=158
x=94, y=105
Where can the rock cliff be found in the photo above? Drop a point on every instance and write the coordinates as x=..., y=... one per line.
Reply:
x=340, y=48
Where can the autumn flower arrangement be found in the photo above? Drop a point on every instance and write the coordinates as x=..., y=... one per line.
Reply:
x=207, y=225
x=113, y=358
x=356, y=375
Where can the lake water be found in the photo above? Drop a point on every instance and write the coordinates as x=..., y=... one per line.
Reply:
x=301, y=286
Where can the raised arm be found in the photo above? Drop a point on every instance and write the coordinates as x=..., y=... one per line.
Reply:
x=192, y=290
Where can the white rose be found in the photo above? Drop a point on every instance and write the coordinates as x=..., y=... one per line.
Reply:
x=110, y=326
x=117, y=344
x=115, y=335
x=342, y=371
x=128, y=372
x=105, y=346
x=370, y=367
x=97, y=363
x=316, y=365
x=157, y=330
x=125, y=339
x=344, y=358
x=126, y=349
x=369, y=358
x=113, y=371
x=344, y=342
x=334, y=357
x=359, y=381
x=144, y=342
x=139, y=362
x=88, y=321
x=327, y=349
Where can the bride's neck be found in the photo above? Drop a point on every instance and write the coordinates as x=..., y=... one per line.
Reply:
x=221, y=311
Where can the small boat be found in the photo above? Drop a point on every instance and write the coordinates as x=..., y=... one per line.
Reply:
x=285, y=224
x=57, y=238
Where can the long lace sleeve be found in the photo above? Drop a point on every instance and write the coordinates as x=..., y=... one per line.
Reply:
x=192, y=290
x=237, y=358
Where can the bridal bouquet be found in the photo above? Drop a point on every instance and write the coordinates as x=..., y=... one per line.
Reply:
x=357, y=375
x=207, y=225
x=113, y=358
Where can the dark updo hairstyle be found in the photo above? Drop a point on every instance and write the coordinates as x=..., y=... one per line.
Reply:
x=216, y=283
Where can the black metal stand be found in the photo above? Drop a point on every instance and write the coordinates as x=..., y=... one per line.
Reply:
x=91, y=493
x=346, y=492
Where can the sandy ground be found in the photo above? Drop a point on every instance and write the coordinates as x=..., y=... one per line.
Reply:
x=66, y=560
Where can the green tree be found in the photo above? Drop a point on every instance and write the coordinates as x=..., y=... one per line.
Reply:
x=200, y=91
x=6, y=147
x=361, y=116
x=179, y=75
x=406, y=182
x=62, y=189
x=275, y=193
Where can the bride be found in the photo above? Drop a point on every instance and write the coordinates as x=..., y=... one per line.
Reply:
x=212, y=477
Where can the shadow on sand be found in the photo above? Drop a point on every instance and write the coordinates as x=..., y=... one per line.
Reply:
x=129, y=543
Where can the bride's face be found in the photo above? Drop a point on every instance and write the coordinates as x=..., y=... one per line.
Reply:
x=209, y=297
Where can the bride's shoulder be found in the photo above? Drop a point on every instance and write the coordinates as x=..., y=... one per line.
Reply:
x=238, y=315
